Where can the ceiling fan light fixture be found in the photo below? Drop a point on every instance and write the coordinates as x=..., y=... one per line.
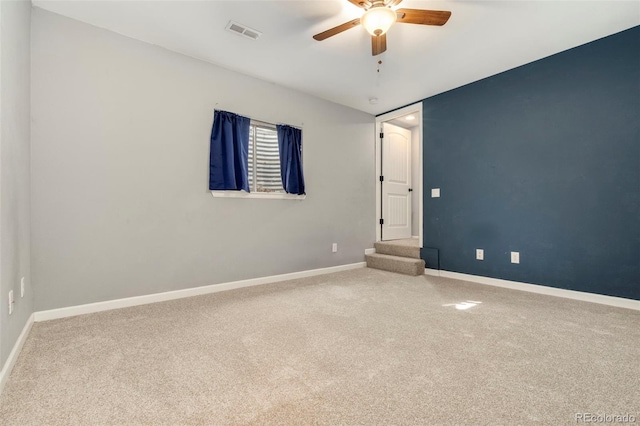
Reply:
x=378, y=20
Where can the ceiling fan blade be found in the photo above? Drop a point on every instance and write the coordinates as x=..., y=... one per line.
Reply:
x=365, y=4
x=423, y=17
x=378, y=44
x=337, y=30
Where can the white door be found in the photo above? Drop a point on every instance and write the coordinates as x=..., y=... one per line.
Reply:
x=396, y=183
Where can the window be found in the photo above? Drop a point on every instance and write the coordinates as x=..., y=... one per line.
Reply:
x=253, y=159
x=264, y=158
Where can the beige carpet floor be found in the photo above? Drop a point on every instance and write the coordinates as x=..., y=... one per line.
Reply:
x=362, y=347
x=406, y=242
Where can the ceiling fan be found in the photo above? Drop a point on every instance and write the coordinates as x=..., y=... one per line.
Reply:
x=379, y=17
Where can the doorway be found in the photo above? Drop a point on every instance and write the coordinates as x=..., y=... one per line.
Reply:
x=399, y=174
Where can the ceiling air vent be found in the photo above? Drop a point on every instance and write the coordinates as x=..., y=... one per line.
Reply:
x=242, y=30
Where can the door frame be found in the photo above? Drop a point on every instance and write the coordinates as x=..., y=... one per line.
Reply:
x=415, y=109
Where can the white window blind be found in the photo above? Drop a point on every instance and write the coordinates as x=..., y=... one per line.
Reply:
x=264, y=158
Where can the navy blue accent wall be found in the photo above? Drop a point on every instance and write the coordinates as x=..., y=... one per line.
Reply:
x=543, y=159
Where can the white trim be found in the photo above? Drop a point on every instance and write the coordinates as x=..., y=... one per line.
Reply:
x=262, y=195
x=416, y=236
x=179, y=294
x=370, y=251
x=619, y=302
x=432, y=272
x=410, y=109
x=15, y=352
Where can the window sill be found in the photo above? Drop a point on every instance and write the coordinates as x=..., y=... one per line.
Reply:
x=262, y=195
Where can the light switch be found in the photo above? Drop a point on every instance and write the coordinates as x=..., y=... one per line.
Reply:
x=435, y=192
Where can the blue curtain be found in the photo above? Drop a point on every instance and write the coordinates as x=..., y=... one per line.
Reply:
x=228, y=165
x=290, y=146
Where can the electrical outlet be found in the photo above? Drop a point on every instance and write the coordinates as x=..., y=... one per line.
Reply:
x=479, y=254
x=10, y=302
x=435, y=192
x=515, y=257
x=334, y=248
x=22, y=287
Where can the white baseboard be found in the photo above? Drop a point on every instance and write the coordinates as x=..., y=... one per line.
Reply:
x=15, y=352
x=432, y=272
x=179, y=294
x=619, y=302
x=370, y=251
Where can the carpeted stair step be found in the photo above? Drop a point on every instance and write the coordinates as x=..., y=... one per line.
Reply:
x=399, y=249
x=402, y=265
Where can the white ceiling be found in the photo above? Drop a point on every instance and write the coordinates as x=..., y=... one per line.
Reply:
x=482, y=38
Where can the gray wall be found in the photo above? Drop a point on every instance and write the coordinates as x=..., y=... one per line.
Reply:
x=545, y=160
x=14, y=170
x=120, y=148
